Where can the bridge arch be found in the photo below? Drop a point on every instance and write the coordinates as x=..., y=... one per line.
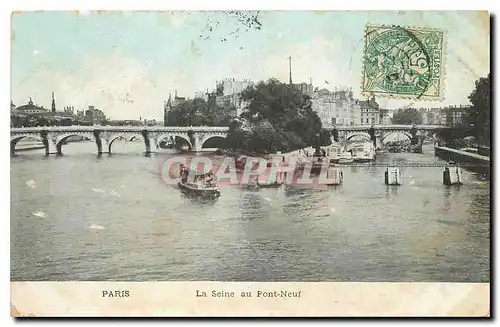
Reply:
x=61, y=138
x=365, y=135
x=407, y=134
x=128, y=137
x=208, y=137
x=15, y=139
x=182, y=136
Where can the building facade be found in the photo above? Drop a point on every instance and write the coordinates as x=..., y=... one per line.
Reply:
x=30, y=109
x=169, y=104
x=149, y=122
x=450, y=116
x=336, y=108
x=229, y=91
x=201, y=95
x=370, y=113
x=385, y=117
x=231, y=86
x=304, y=88
x=453, y=115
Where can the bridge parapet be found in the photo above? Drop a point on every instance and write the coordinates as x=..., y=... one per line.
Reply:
x=104, y=136
x=388, y=127
x=120, y=129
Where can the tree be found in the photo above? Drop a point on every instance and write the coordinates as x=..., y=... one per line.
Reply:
x=219, y=89
x=479, y=115
x=277, y=117
x=239, y=135
x=198, y=112
x=431, y=118
x=325, y=137
x=407, y=116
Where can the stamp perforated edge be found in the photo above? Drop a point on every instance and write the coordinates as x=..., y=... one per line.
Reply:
x=398, y=96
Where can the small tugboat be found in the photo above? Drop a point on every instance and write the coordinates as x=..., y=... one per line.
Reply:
x=203, y=185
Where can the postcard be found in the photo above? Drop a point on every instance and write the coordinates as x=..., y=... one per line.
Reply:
x=250, y=163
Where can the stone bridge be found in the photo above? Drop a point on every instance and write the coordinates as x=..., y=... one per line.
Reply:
x=54, y=137
x=383, y=131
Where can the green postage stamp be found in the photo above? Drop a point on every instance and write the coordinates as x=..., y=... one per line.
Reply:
x=402, y=62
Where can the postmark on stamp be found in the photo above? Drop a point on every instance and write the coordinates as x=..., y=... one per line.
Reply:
x=403, y=62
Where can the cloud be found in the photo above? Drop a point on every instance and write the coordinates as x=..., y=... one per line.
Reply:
x=175, y=19
x=318, y=58
x=122, y=87
x=129, y=88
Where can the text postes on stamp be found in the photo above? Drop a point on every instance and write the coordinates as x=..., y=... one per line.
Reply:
x=403, y=62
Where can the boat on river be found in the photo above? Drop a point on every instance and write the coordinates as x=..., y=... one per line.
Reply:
x=334, y=152
x=345, y=158
x=318, y=162
x=204, y=184
x=363, y=152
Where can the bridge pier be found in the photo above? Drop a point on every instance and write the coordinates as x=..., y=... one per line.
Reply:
x=49, y=144
x=147, y=142
x=98, y=141
x=150, y=142
x=197, y=143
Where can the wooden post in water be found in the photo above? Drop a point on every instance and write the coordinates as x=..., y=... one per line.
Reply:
x=392, y=176
x=452, y=175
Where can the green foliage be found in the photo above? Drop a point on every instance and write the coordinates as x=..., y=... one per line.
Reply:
x=35, y=120
x=219, y=91
x=475, y=122
x=30, y=121
x=407, y=116
x=454, y=137
x=278, y=117
x=479, y=116
x=198, y=112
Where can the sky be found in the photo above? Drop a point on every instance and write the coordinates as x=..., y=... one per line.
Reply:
x=127, y=63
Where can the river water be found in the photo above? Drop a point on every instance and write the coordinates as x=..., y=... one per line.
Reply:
x=84, y=217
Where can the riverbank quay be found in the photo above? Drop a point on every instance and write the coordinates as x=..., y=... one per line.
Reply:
x=470, y=161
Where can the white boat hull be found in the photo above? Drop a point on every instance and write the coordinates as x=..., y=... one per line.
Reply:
x=203, y=192
x=345, y=161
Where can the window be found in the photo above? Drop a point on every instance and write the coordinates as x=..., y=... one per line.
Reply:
x=367, y=120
